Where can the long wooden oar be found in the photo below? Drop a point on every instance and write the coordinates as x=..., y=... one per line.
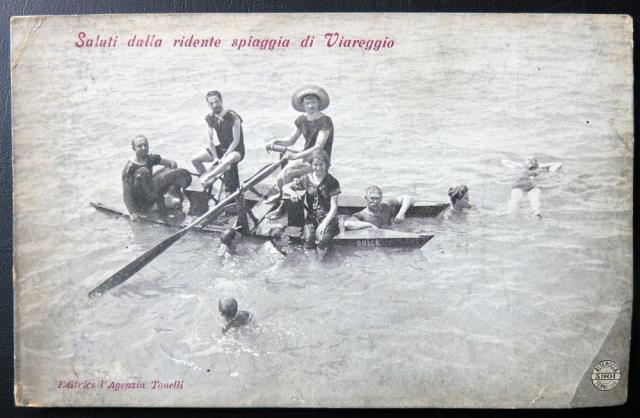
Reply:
x=133, y=267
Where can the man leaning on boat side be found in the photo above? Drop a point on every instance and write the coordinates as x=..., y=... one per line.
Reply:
x=317, y=130
x=379, y=212
x=225, y=146
x=142, y=188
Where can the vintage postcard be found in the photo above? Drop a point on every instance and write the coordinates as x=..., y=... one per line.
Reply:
x=322, y=210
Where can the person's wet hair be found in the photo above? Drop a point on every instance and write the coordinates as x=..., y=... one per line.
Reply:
x=213, y=93
x=137, y=137
x=372, y=189
x=228, y=307
x=457, y=192
x=227, y=236
x=322, y=156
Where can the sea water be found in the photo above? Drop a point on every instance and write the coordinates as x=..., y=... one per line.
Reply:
x=495, y=308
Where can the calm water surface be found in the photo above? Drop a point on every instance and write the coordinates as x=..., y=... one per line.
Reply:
x=482, y=303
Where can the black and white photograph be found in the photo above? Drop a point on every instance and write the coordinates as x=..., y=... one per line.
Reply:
x=322, y=210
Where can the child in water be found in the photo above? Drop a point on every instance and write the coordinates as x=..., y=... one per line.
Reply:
x=234, y=318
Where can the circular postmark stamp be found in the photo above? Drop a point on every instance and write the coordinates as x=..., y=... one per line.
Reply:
x=606, y=375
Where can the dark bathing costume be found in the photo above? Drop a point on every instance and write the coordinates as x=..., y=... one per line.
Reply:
x=388, y=209
x=525, y=181
x=223, y=126
x=146, y=187
x=318, y=203
x=310, y=130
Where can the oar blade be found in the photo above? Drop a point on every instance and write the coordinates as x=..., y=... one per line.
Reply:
x=136, y=265
x=133, y=267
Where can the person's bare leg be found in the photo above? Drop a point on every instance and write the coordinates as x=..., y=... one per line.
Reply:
x=219, y=169
x=534, y=201
x=516, y=195
x=288, y=175
x=198, y=159
x=280, y=181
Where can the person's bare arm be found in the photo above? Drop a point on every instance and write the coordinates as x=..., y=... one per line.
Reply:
x=127, y=191
x=405, y=203
x=286, y=141
x=168, y=163
x=552, y=167
x=353, y=223
x=511, y=164
x=320, y=141
x=333, y=211
x=213, y=142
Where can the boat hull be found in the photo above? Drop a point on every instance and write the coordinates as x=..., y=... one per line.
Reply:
x=361, y=239
x=348, y=205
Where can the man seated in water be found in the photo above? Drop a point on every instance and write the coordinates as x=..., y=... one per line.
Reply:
x=379, y=212
x=142, y=188
x=234, y=318
x=459, y=196
x=321, y=192
x=526, y=182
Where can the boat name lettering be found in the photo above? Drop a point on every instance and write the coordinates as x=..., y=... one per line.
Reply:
x=368, y=243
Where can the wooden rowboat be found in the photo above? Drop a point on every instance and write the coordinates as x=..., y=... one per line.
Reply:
x=198, y=202
x=360, y=239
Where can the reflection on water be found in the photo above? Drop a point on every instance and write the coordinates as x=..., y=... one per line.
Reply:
x=489, y=297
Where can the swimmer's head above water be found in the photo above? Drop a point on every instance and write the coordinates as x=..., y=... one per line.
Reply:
x=234, y=318
x=459, y=196
x=228, y=308
x=227, y=236
x=531, y=162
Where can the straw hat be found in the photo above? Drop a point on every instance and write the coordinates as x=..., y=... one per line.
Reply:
x=298, y=95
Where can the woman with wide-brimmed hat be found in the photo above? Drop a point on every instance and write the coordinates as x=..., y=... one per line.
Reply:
x=317, y=130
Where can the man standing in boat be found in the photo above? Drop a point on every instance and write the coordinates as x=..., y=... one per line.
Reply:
x=321, y=192
x=225, y=147
x=379, y=213
x=317, y=130
x=142, y=188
